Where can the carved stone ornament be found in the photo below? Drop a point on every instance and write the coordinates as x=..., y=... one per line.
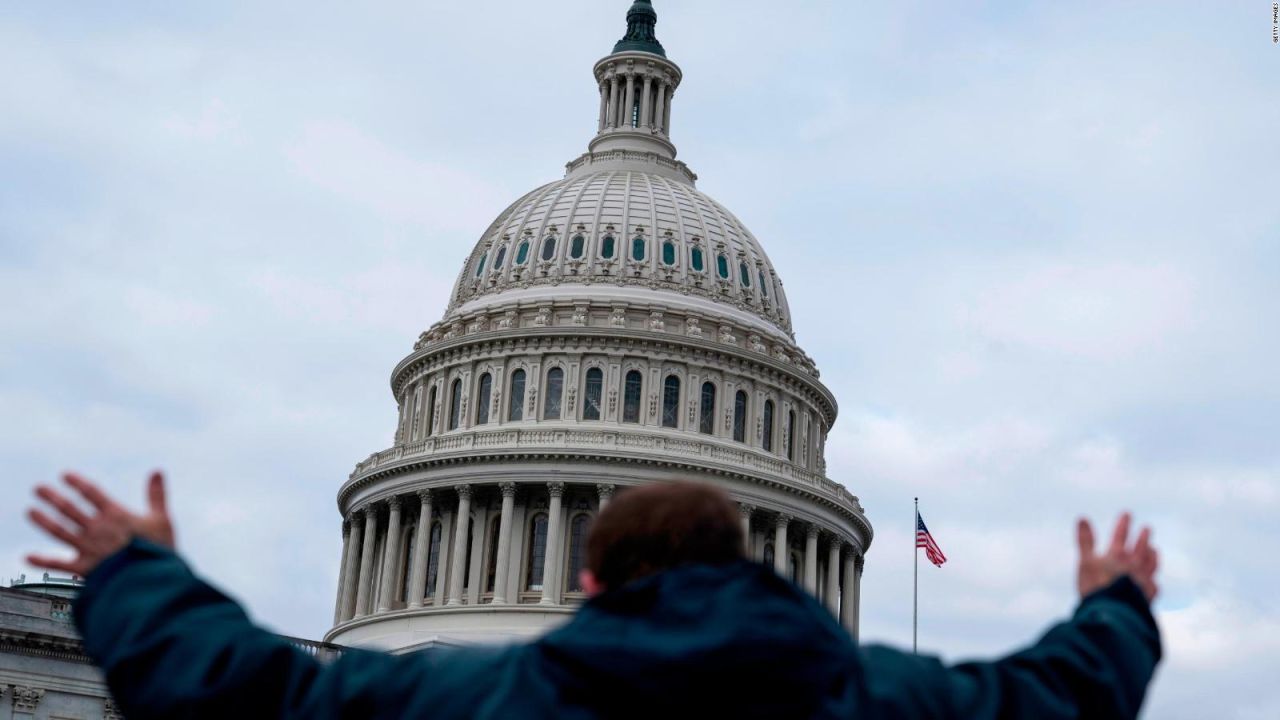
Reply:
x=653, y=404
x=618, y=318
x=613, y=401
x=544, y=317
x=533, y=400
x=691, y=327
x=756, y=344
x=508, y=320
x=25, y=699
x=605, y=491
x=579, y=315
x=570, y=398
x=656, y=323
x=727, y=336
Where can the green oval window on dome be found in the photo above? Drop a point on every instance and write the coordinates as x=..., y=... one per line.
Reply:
x=522, y=252
x=500, y=258
x=607, y=247
x=638, y=248
x=577, y=246
x=668, y=253
x=695, y=259
x=744, y=275
x=480, y=267
x=549, y=247
x=722, y=266
x=764, y=286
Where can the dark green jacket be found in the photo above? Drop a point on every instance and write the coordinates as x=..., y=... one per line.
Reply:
x=732, y=641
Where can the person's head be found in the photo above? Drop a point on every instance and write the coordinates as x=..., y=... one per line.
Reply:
x=652, y=528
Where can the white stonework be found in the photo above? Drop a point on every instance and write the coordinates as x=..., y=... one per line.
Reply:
x=613, y=328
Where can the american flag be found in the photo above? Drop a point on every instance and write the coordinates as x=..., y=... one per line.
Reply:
x=924, y=539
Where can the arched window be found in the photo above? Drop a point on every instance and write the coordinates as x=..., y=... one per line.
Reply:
x=768, y=426
x=405, y=567
x=577, y=247
x=480, y=266
x=433, y=558
x=500, y=258
x=707, y=416
x=455, y=404
x=549, y=247
x=631, y=397
x=671, y=402
x=431, y=411
x=767, y=558
x=791, y=434
x=577, y=550
x=555, y=392
x=591, y=398
x=722, y=266
x=483, y=397
x=492, y=575
x=744, y=275
x=522, y=252
x=516, y=409
x=695, y=259
x=764, y=286
x=740, y=416
x=638, y=248
x=537, y=553
x=668, y=253
x=607, y=247
x=466, y=567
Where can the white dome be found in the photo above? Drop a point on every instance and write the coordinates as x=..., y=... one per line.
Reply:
x=668, y=239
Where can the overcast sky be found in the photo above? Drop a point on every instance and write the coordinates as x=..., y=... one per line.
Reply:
x=1034, y=249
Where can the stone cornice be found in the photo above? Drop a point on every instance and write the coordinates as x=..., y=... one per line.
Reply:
x=45, y=646
x=483, y=608
x=574, y=444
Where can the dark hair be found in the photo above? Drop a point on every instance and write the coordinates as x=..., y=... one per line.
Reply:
x=652, y=528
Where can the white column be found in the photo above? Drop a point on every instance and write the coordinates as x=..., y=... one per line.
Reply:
x=746, y=511
x=390, y=556
x=630, y=101
x=857, y=597
x=612, y=120
x=347, y=588
x=666, y=118
x=646, y=102
x=504, y=542
x=461, y=526
x=604, y=105
x=811, y=560
x=343, y=563
x=551, y=566
x=605, y=493
x=421, y=551
x=848, y=593
x=659, y=116
x=780, y=550
x=833, y=577
x=366, y=561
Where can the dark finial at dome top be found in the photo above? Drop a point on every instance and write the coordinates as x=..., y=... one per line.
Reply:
x=640, y=21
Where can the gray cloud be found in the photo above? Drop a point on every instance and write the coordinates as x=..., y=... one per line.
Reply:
x=1051, y=231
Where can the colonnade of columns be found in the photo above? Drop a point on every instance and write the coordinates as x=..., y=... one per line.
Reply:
x=837, y=584
x=385, y=564
x=638, y=100
x=377, y=576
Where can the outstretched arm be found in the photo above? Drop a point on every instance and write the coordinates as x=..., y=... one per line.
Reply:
x=1095, y=665
x=172, y=646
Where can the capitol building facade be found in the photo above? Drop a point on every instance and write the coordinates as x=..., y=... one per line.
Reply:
x=613, y=328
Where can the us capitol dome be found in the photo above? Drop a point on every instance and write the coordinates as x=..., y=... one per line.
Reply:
x=612, y=328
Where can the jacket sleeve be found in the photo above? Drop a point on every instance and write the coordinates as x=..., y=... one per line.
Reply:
x=172, y=646
x=1095, y=665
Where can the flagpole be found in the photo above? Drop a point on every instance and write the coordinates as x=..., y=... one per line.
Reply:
x=915, y=580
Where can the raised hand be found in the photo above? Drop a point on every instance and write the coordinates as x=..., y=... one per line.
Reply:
x=1139, y=560
x=97, y=535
